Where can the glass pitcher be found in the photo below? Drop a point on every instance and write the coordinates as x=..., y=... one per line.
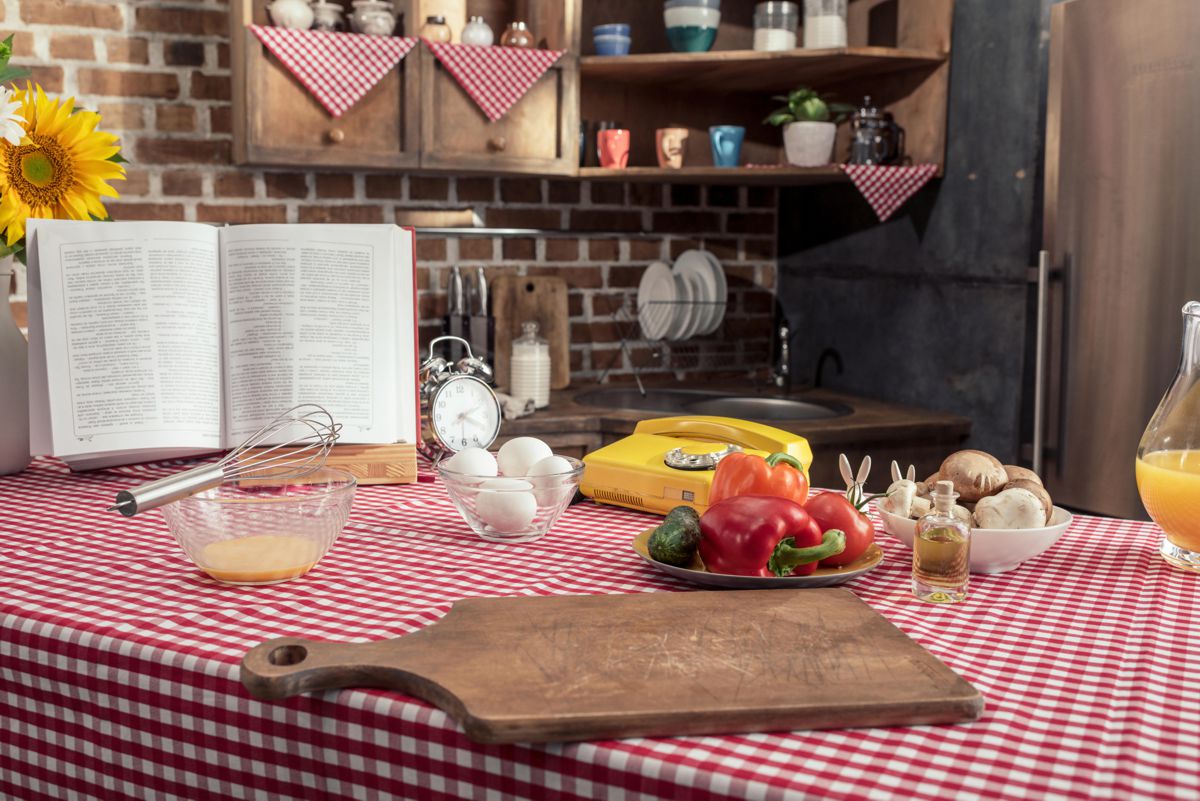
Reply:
x=1168, y=458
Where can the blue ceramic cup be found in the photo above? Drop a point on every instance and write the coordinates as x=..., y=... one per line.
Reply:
x=726, y=141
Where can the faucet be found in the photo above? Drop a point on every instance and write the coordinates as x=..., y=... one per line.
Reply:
x=828, y=353
x=781, y=375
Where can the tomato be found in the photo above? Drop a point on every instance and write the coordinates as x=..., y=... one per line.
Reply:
x=833, y=510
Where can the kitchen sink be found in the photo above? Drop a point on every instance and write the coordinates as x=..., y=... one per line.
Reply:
x=722, y=404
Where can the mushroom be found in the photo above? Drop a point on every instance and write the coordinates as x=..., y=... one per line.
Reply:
x=1038, y=490
x=920, y=507
x=1012, y=508
x=1016, y=473
x=925, y=488
x=975, y=474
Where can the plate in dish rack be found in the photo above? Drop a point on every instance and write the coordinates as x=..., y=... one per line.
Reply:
x=823, y=577
x=656, y=299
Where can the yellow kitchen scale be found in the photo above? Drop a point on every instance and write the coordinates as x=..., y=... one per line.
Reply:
x=669, y=461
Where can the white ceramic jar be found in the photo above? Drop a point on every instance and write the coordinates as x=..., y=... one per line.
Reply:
x=477, y=32
x=295, y=14
x=529, y=369
x=375, y=17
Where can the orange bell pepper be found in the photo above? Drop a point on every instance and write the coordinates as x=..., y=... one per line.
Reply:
x=779, y=475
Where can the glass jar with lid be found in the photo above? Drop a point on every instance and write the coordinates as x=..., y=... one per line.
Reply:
x=824, y=23
x=775, y=25
x=529, y=371
x=477, y=32
x=517, y=35
x=435, y=29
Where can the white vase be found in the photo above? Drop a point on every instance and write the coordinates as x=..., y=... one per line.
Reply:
x=809, y=144
x=14, y=383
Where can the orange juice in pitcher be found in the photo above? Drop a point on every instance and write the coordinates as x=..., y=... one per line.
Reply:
x=1168, y=458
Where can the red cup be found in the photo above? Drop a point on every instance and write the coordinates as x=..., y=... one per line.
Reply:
x=613, y=146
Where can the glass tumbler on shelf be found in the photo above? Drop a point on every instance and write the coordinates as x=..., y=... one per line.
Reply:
x=1168, y=457
x=824, y=23
x=775, y=25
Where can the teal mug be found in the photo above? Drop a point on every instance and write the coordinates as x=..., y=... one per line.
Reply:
x=726, y=141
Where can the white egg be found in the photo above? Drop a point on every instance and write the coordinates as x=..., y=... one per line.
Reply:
x=505, y=505
x=518, y=455
x=473, y=462
x=549, y=491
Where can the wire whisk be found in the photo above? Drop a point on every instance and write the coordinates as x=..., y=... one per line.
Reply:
x=292, y=445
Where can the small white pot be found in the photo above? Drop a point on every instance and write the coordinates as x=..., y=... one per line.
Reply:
x=809, y=144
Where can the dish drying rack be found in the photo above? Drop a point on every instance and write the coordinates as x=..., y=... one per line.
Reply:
x=713, y=350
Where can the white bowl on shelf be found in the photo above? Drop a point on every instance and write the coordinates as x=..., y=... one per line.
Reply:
x=993, y=550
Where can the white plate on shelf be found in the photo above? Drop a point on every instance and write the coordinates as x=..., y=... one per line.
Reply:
x=722, y=293
x=695, y=264
x=656, y=301
x=684, y=311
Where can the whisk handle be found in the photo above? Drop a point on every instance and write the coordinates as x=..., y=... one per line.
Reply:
x=165, y=490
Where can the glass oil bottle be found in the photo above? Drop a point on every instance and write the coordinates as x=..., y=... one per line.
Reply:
x=941, y=551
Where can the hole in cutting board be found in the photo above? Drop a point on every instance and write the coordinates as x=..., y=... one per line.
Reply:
x=288, y=655
x=529, y=287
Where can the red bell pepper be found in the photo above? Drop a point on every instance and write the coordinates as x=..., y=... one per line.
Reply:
x=780, y=475
x=752, y=535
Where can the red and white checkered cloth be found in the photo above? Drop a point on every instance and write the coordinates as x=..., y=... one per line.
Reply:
x=889, y=188
x=495, y=77
x=338, y=68
x=119, y=668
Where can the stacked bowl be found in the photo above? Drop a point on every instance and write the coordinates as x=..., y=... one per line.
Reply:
x=612, y=40
x=692, y=24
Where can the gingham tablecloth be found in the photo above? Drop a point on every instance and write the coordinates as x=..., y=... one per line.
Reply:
x=494, y=77
x=119, y=668
x=887, y=188
x=337, y=68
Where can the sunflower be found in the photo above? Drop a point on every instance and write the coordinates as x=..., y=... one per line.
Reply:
x=61, y=169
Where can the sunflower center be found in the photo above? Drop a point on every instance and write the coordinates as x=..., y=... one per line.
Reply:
x=42, y=172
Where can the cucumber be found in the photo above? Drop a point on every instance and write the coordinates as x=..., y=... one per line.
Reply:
x=675, y=541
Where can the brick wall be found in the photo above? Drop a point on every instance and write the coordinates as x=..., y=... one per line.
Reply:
x=158, y=72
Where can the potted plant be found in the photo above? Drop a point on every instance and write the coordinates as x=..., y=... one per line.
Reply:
x=809, y=126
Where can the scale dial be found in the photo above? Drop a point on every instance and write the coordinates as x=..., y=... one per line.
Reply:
x=463, y=413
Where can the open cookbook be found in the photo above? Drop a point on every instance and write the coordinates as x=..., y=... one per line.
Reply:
x=152, y=340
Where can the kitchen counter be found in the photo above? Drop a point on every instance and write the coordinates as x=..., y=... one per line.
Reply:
x=886, y=431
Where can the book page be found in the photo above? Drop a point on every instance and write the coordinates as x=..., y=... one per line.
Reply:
x=310, y=317
x=130, y=327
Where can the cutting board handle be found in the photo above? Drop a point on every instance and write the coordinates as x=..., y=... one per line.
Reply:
x=288, y=666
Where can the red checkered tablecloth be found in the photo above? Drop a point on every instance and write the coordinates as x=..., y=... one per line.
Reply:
x=119, y=668
x=886, y=188
x=337, y=68
x=495, y=77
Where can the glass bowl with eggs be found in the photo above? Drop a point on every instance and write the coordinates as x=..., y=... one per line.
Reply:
x=514, y=495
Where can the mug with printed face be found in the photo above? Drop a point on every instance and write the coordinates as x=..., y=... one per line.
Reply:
x=669, y=146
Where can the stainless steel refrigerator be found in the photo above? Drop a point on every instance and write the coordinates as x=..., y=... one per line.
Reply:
x=1122, y=235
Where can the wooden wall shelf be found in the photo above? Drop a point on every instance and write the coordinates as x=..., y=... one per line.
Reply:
x=737, y=176
x=754, y=71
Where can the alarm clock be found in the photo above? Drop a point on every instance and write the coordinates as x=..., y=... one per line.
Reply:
x=459, y=409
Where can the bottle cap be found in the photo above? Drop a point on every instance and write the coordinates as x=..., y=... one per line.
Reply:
x=944, y=495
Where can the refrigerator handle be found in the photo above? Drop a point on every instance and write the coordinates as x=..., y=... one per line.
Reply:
x=1039, y=369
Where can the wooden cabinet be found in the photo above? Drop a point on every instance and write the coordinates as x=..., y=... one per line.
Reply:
x=419, y=117
x=540, y=134
x=279, y=122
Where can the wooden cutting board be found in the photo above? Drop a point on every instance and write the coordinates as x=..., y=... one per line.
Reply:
x=542, y=299
x=535, y=669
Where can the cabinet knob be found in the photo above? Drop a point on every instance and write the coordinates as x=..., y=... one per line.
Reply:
x=336, y=136
x=497, y=144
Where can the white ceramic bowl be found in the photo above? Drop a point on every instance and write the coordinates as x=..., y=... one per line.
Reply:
x=993, y=550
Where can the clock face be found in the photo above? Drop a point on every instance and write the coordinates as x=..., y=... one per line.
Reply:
x=464, y=413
